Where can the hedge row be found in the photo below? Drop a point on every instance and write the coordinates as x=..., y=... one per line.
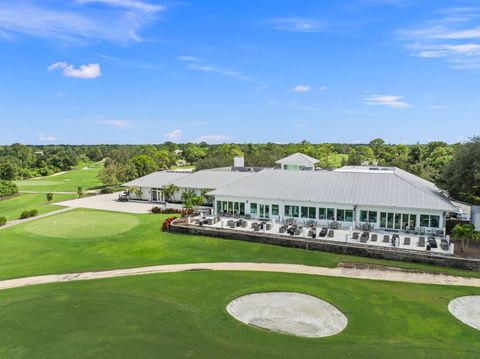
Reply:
x=28, y=213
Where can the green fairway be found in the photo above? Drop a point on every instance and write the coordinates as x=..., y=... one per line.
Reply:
x=26, y=253
x=183, y=315
x=82, y=224
x=12, y=207
x=85, y=177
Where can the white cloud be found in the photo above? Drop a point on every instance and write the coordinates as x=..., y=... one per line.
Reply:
x=120, y=124
x=46, y=138
x=173, y=136
x=89, y=71
x=76, y=22
x=323, y=88
x=296, y=24
x=212, y=139
x=128, y=4
x=196, y=64
x=301, y=88
x=454, y=36
x=387, y=100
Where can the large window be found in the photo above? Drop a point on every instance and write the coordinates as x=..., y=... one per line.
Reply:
x=231, y=207
x=322, y=213
x=429, y=221
x=275, y=210
x=304, y=212
x=330, y=214
x=292, y=211
x=368, y=216
x=253, y=208
x=340, y=215
x=312, y=212
x=348, y=215
x=383, y=220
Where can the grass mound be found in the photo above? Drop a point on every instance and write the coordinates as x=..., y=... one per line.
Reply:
x=83, y=225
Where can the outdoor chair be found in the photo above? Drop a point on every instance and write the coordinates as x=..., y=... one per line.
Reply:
x=444, y=244
x=355, y=235
x=268, y=226
x=298, y=231
x=282, y=229
x=331, y=233
x=256, y=227
x=406, y=241
x=364, y=237
x=374, y=237
x=432, y=242
x=244, y=224
x=439, y=233
x=421, y=242
x=386, y=238
x=323, y=232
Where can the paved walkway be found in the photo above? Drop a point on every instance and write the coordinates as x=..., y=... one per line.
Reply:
x=108, y=202
x=19, y=221
x=395, y=275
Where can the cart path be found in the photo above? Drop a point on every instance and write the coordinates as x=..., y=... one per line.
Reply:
x=395, y=275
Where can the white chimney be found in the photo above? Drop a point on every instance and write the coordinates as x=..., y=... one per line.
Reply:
x=238, y=161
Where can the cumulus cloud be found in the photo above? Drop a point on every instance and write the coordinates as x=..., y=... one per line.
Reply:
x=120, y=124
x=173, y=136
x=89, y=71
x=212, y=139
x=301, y=88
x=387, y=100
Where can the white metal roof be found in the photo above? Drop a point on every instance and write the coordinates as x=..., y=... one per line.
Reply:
x=298, y=158
x=353, y=188
x=207, y=179
x=157, y=179
x=210, y=179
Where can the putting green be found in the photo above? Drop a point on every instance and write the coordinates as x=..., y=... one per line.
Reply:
x=83, y=224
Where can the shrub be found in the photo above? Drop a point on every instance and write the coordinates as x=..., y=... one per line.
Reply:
x=167, y=222
x=7, y=189
x=108, y=190
x=3, y=221
x=182, y=212
x=28, y=213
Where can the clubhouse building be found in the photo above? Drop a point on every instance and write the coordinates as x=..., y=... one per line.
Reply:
x=383, y=198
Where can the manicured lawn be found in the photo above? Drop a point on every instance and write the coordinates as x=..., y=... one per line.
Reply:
x=12, y=207
x=67, y=182
x=34, y=248
x=183, y=315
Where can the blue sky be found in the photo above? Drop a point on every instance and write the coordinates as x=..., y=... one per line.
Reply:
x=147, y=71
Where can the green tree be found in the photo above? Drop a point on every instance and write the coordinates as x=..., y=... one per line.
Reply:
x=80, y=191
x=193, y=153
x=169, y=192
x=465, y=233
x=8, y=171
x=191, y=200
x=144, y=165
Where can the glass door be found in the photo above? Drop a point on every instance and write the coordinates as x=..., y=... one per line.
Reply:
x=264, y=211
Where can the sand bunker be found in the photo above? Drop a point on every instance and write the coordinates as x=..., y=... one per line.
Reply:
x=290, y=313
x=466, y=309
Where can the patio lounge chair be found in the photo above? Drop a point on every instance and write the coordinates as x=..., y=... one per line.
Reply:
x=421, y=242
x=256, y=227
x=364, y=237
x=374, y=237
x=298, y=231
x=386, y=238
x=323, y=232
x=268, y=226
x=312, y=233
x=432, y=242
x=406, y=241
x=244, y=224
x=283, y=229
x=444, y=244
x=355, y=235
x=331, y=233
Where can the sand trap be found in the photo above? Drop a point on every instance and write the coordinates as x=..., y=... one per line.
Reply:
x=466, y=309
x=289, y=313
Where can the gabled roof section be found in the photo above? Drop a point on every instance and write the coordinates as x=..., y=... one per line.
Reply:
x=349, y=188
x=157, y=179
x=298, y=158
x=210, y=179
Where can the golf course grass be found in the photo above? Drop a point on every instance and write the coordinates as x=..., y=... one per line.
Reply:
x=181, y=315
x=85, y=177
x=12, y=207
x=33, y=248
x=83, y=225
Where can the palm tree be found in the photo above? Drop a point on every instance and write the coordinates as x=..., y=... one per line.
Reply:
x=169, y=192
x=136, y=191
x=190, y=200
x=465, y=233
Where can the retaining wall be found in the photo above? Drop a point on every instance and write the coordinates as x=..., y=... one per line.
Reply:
x=180, y=226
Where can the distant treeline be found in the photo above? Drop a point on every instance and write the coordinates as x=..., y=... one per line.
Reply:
x=454, y=167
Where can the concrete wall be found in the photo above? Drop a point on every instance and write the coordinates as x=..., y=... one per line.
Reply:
x=180, y=226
